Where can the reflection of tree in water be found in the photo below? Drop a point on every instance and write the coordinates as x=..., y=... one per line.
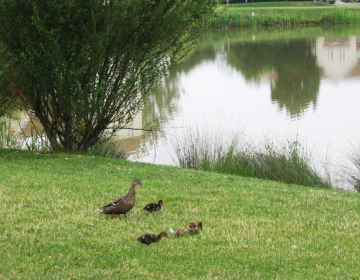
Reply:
x=298, y=76
x=162, y=105
x=294, y=86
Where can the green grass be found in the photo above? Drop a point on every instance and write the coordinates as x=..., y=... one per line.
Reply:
x=253, y=229
x=283, y=14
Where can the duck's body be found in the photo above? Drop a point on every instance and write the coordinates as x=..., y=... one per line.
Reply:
x=153, y=207
x=179, y=231
x=124, y=204
x=151, y=238
x=194, y=226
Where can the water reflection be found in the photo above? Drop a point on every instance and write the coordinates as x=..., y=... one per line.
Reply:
x=290, y=65
x=338, y=56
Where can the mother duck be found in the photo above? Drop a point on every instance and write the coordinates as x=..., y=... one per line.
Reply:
x=124, y=204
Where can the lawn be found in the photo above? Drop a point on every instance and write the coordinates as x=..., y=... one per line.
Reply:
x=253, y=229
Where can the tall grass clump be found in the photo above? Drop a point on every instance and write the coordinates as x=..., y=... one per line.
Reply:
x=201, y=149
x=287, y=163
x=109, y=148
x=265, y=14
x=7, y=136
x=351, y=173
x=223, y=18
x=340, y=16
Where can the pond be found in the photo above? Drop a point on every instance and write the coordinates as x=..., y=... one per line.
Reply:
x=261, y=83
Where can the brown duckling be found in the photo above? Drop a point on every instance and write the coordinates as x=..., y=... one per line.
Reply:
x=151, y=238
x=124, y=204
x=153, y=207
x=194, y=226
x=179, y=231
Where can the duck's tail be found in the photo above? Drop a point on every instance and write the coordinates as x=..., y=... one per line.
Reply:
x=172, y=231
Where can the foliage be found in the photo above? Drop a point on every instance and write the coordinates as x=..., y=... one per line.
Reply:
x=83, y=67
x=7, y=97
x=253, y=229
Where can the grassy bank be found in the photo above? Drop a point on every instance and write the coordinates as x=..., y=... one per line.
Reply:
x=253, y=229
x=283, y=14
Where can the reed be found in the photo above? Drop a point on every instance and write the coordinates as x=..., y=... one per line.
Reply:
x=7, y=136
x=341, y=16
x=288, y=162
x=201, y=148
x=110, y=148
x=351, y=173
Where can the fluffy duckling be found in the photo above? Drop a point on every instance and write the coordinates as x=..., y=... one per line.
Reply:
x=153, y=207
x=151, y=238
x=179, y=231
x=194, y=226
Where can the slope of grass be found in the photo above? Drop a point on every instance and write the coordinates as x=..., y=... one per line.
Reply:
x=253, y=229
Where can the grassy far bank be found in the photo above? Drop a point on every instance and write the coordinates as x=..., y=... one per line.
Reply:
x=253, y=229
x=283, y=14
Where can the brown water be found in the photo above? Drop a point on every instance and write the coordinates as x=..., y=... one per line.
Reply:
x=274, y=83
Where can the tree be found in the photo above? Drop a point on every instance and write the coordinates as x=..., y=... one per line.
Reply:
x=7, y=97
x=84, y=66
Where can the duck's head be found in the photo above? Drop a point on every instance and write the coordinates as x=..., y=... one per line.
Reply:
x=163, y=234
x=199, y=224
x=161, y=203
x=136, y=181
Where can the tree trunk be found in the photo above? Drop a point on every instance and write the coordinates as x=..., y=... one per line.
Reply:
x=53, y=141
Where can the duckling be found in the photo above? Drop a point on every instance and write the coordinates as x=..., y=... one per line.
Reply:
x=151, y=238
x=153, y=207
x=194, y=226
x=179, y=231
x=124, y=204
